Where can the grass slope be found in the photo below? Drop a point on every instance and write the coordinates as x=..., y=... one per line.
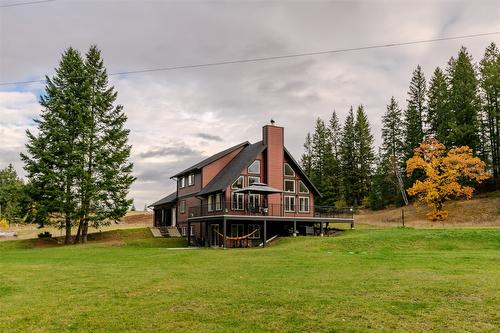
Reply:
x=365, y=280
x=482, y=211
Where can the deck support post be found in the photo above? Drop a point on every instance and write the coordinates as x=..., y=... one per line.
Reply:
x=189, y=233
x=294, y=228
x=206, y=233
x=265, y=234
x=352, y=224
x=321, y=229
x=224, y=228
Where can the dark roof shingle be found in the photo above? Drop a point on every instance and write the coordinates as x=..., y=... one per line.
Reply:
x=168, y=199
x=227, y=175
x=211, y=159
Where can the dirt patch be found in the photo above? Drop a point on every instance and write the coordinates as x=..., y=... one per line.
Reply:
x=138, y=218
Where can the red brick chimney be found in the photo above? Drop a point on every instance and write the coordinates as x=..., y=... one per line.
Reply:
x=273, y=137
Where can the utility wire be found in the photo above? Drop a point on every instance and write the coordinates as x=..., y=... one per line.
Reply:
x=15, y=4
x=278, y=57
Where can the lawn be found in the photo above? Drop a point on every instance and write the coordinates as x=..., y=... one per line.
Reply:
x=364, y=280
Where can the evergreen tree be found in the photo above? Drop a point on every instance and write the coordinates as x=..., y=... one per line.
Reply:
x=348, y=159
x=306, y=159
x=490, y=88
x=12, y=195
x=464, y=101
x=415, y=112
x=53, y=162
x=335, y=168
x=393, y=133
x=335, y=130
x=78, y=161
x=323, y=163
x=439, y=117
x=363, y=153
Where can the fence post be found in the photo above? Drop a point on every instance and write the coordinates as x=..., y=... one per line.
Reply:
x=403, y=216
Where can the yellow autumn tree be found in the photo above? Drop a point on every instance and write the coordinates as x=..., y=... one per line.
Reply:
x=445, y=175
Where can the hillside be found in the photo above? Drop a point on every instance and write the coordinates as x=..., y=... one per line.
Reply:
x=483, y=211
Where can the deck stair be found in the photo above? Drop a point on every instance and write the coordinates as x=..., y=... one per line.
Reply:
x=156, y=232
x=173, y=232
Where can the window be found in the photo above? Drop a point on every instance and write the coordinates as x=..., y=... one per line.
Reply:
x=254, y=167
x=253, y=201
x=182, y=182
x=218, y=201
x=304, y=204
x=289, y=185
x=302, y=187
x=184, y=231
x=289, y=204
x=210, y=205
x=237, y=202
x=182, y=206
x=191, y=179
x=289, y=171
x=252, y=228
x=253, y=179
x=237, y=230
x=191, y=230
x=238, y=183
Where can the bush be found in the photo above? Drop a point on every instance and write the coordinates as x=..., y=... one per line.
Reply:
x=45, y=234
x=4, y=224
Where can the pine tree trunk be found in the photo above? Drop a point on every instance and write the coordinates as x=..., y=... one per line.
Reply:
x=85, y=231
x=79, y=232
x=67, y=239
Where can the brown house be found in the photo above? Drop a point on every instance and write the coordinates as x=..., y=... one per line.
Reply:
x=243, y=196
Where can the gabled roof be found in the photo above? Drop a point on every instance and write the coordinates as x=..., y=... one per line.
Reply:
x=168, y=199
x=211, y=159
x=241, y=161
x=303, y=175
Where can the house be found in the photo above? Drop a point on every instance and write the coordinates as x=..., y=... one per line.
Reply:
x=243, y=196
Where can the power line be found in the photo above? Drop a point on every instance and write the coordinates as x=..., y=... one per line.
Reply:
x=278, y=57
x=25, y=3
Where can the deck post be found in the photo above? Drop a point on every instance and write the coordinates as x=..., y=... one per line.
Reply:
x=189, y=233
x=294, y=228
x=206, y=233
x=265, y=234
x=352, y=224
x=224, y=228
x=321, y=229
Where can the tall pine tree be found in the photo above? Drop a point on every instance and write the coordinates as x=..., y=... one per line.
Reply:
x=490, y=88
x=464, y=101
x=364, y=154
x=415, y=112
x=439, y=118
x=348, y=159
x=78, y=160
x=393, y=133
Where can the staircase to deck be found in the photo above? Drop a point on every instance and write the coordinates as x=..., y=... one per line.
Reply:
x=165, y=232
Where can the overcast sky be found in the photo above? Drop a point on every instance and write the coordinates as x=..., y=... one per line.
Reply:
x=179, y=117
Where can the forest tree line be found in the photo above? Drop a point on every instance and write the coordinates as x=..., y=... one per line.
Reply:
x=458, y=106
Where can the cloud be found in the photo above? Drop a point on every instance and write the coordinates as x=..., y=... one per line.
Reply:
x=182, y=151
x=209, y=137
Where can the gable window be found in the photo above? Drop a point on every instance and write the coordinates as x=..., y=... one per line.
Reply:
x=254, y=167
x=237, y=230
x=252, y=228
x=210, y=205
x=302, y=187
x=289, y=203
x=237, y=202
x=191, y=179
x=182, y=206
x=253, y=201
x=304, y=204
x=238, y=183
x=218, y=201
x=289, y=185
x=289, y=171
x=182, y=182
x=253, y=179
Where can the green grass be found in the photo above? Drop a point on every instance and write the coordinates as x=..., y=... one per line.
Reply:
x=365, y=280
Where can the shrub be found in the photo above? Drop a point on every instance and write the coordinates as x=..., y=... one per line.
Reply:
x=45, y=234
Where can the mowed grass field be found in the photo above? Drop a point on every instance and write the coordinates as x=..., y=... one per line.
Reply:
x=406, y=280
